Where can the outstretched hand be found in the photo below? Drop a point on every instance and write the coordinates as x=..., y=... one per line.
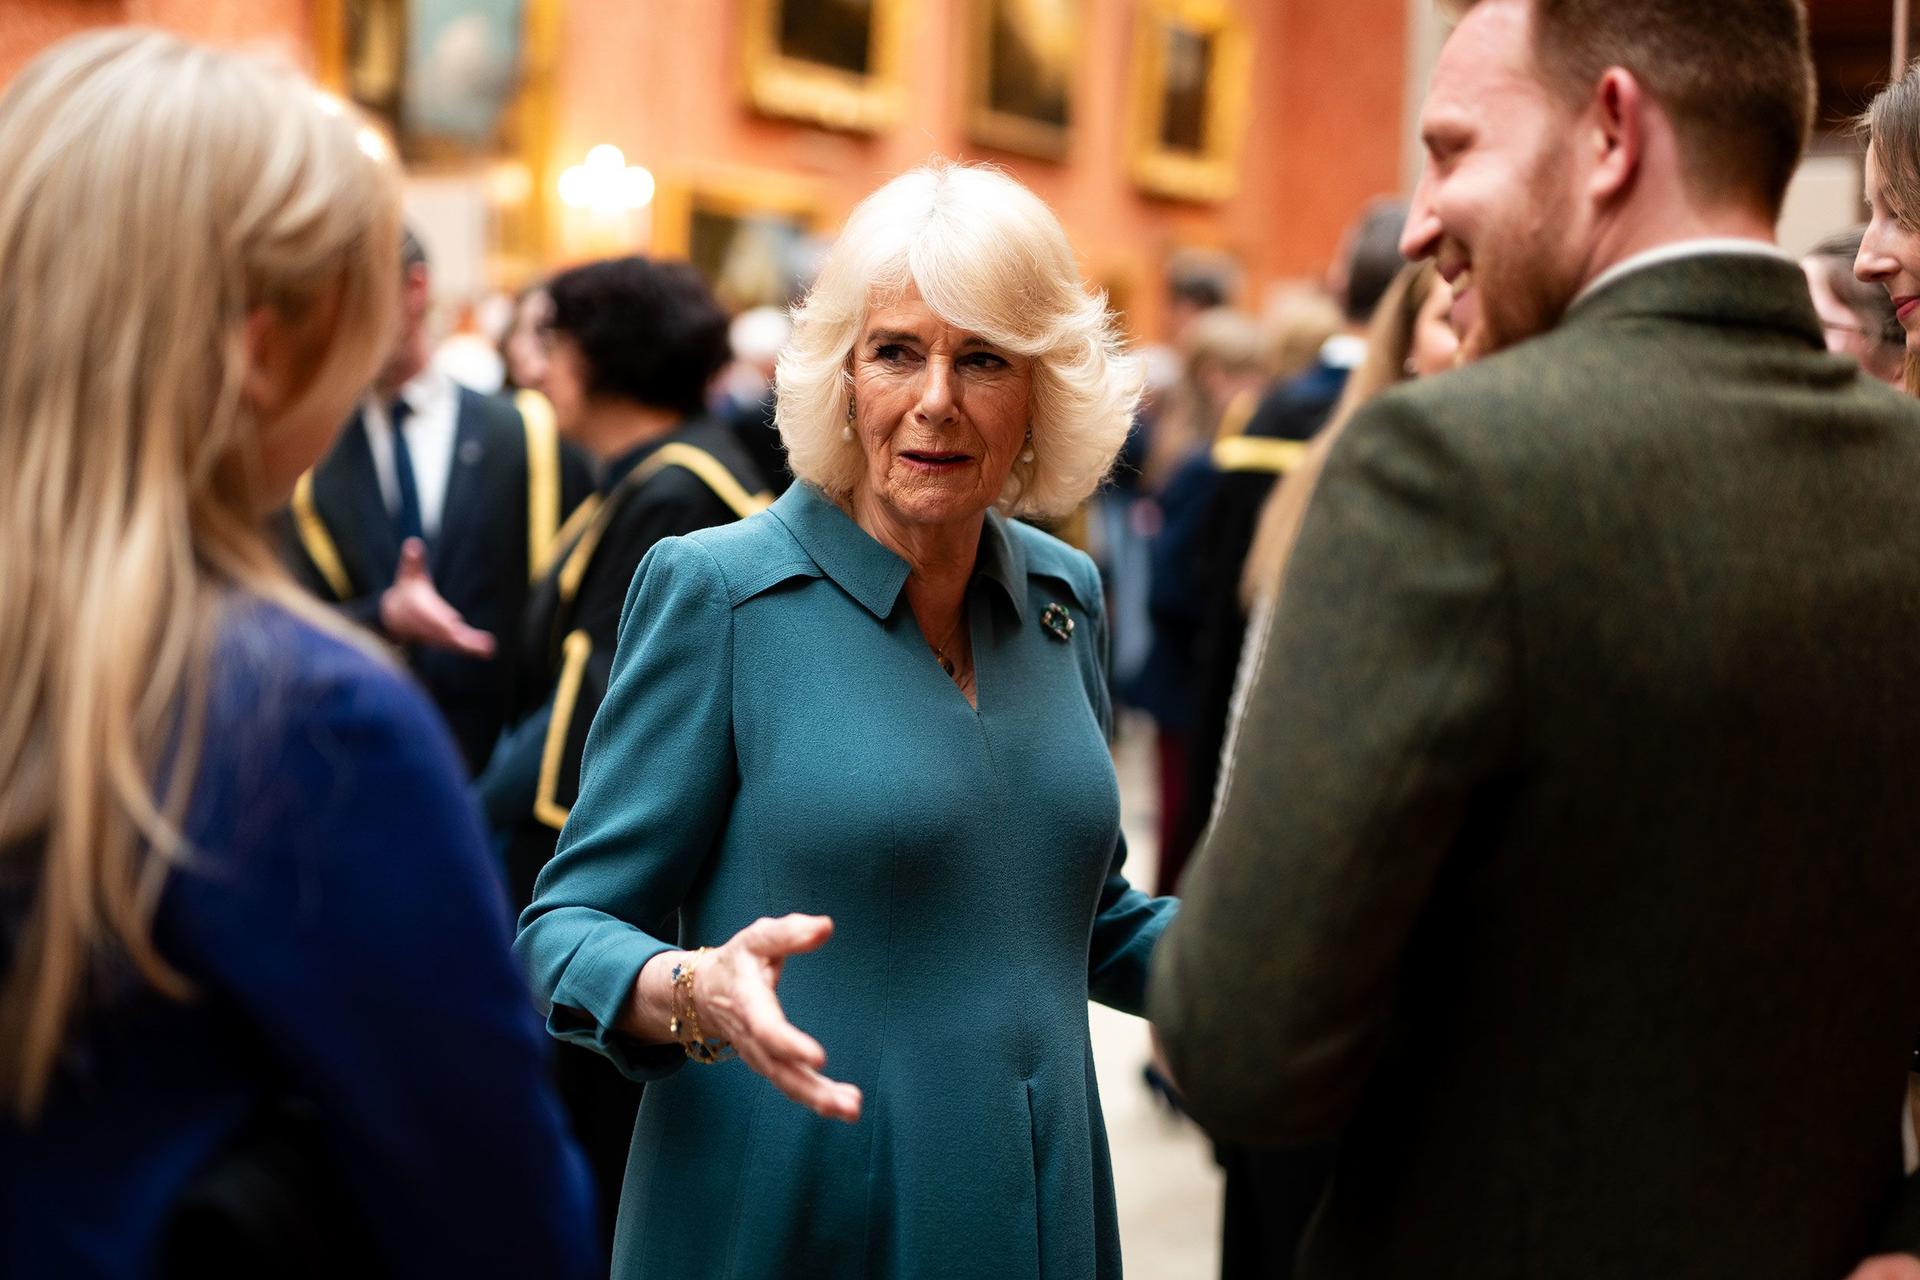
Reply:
x=412, y=610
x=733, y=991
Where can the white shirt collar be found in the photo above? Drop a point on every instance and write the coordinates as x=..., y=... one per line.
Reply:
x=431, y=434
x=1699, y=248
x=1343, y=351
x=427, y=390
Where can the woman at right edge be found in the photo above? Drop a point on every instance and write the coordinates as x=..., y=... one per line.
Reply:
x=1890, y=257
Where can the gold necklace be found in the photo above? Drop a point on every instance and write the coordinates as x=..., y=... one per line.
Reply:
x=947, y=664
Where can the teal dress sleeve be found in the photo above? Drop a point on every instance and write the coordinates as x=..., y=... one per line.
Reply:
x=1125, y=929
x=1127, y=922
x=633, y=846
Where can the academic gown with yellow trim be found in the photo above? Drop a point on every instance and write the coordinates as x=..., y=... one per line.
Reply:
x=693, y=479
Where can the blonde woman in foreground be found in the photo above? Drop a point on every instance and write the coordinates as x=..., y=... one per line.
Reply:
x=255, y=960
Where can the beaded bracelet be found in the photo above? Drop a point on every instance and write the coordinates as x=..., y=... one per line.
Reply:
x=684, y=1025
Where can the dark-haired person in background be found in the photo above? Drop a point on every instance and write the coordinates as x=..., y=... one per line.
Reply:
x=632, y=346
x=1192, y=291
x=430, y=516
x=1857, y=316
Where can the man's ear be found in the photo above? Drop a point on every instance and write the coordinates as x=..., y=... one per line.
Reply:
x=416, y=291
x=1616, y=133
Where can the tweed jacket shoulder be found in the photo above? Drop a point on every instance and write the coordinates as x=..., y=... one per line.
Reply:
x=1567, y=856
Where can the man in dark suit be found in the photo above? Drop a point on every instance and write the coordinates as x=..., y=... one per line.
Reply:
x=1565, y=869
x=1268, y=1194
x=427, y=520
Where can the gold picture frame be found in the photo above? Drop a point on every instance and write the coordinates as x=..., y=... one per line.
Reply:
x=699, y=217
x=520, y=175
x=807, y=60
x=1192, y=72
x=1023, y=73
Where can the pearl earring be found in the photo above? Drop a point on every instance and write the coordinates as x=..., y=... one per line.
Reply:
x=846, y=433
x=1026, y=454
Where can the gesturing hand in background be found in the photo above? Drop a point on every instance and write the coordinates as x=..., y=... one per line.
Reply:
x=412, y=610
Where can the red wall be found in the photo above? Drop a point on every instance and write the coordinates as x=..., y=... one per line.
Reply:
x=662, y=80
x=28, y=26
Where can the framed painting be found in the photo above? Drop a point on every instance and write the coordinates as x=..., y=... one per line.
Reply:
x=829, y=62
x=756, y=237
x=1191, y=76
x=1020, y=85
x=463, y=69
x=443, y=76
x=463, y=87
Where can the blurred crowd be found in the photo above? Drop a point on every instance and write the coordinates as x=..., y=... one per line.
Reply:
x=468, y=769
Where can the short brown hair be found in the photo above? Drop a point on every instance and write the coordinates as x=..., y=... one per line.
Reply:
x=1736, y=76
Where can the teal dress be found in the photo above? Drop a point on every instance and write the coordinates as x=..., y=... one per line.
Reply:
x=777, y=737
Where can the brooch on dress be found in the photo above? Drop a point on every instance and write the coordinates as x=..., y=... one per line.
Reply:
x=1057, y=621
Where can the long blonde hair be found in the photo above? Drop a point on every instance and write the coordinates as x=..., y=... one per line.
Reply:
x=157, y=194
x=1389, y=345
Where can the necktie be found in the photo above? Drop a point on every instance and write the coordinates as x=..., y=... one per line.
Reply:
x=407, y=520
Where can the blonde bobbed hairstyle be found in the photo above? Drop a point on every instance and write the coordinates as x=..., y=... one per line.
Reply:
x=987, y=256
x=158, y=194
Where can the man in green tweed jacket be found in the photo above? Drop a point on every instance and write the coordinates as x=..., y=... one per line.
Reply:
x=1568, y=864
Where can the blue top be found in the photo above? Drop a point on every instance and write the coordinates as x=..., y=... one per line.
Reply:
x=778, y=737
x=347, y=941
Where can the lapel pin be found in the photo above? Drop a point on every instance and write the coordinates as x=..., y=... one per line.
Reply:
x=1057, y=621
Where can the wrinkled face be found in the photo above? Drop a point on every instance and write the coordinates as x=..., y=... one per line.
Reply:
x=1436, y=347
x=1890, y=253
x=1495, y=208
x=939, y=412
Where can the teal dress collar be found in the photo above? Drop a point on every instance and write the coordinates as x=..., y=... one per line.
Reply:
x=873, y=575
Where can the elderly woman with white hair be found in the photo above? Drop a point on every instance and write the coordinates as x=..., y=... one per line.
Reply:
x=876, y=712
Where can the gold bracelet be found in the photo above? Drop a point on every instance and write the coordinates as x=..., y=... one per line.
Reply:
x=684, y=1025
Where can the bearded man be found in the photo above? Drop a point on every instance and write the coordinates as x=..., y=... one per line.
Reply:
x=1568, y=865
